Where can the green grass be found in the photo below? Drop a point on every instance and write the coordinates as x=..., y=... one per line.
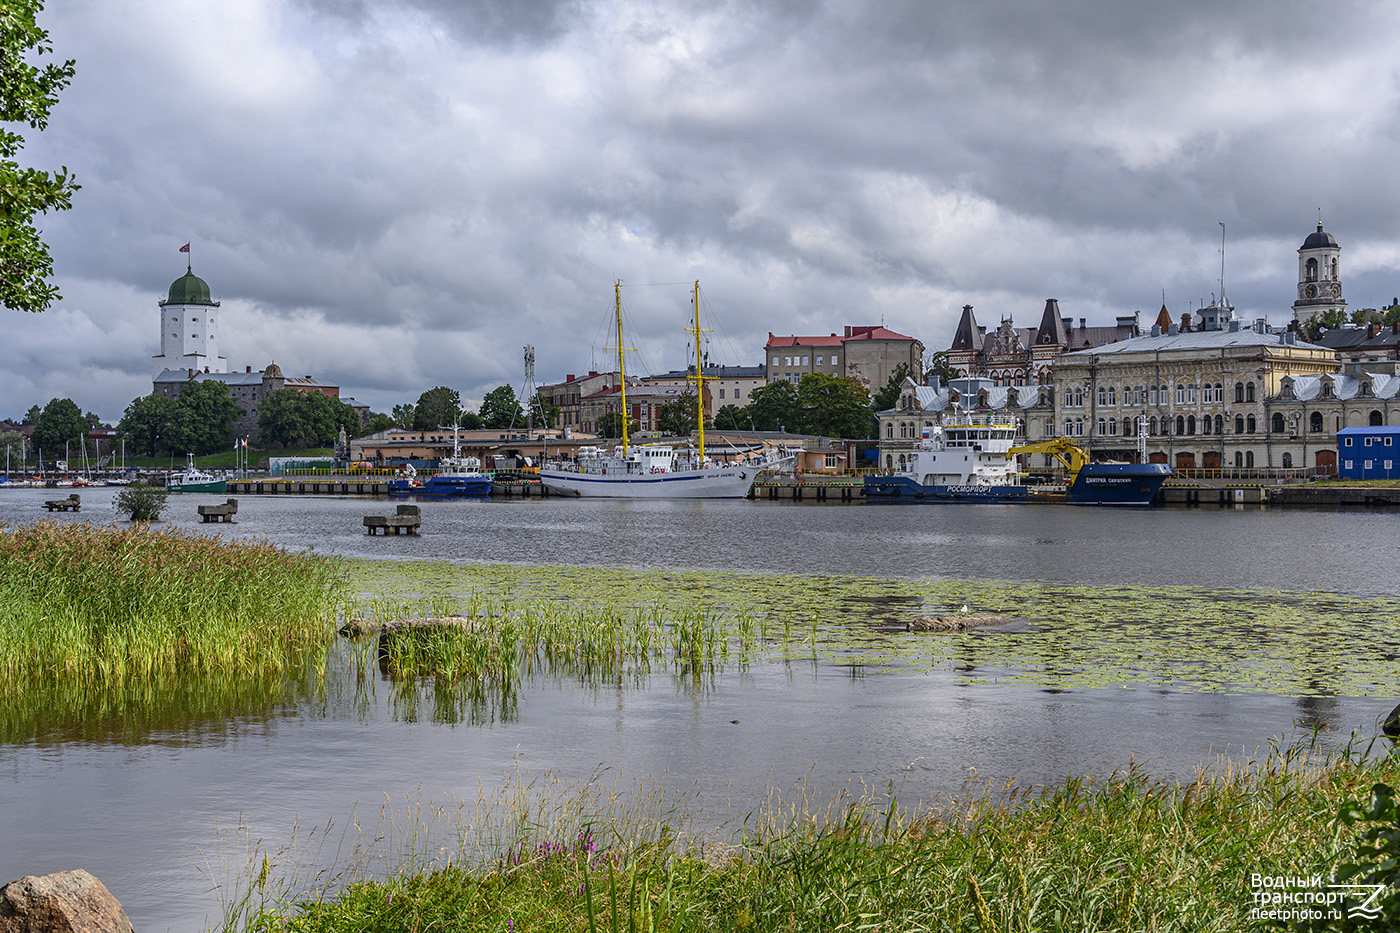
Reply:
x=1125, y=853
x=101, y=606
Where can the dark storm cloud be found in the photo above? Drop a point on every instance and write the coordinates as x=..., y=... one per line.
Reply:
x=397, y=195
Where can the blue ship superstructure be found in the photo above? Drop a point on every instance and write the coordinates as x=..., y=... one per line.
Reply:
x=962, y=462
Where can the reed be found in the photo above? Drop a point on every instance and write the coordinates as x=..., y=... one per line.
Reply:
x=100, y=606
x=1122, y=853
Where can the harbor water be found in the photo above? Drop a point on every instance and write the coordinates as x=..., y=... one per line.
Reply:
x=155, y=812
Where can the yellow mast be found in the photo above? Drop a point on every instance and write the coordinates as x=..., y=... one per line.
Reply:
x=699, y=377
x=621, y=368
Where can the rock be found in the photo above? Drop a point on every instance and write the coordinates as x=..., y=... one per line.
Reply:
x=956, y=622
x=1391, y=726
x=64, y=902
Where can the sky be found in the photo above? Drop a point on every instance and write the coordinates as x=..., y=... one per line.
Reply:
x=392, y=195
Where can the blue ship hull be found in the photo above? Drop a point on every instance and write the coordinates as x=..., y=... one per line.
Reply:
x=1097, y=484
x=1118, y=483
x=442, y=487
x=902, y=487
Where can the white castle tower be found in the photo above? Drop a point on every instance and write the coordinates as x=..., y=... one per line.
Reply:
x=189, y=328
x=1319, y=279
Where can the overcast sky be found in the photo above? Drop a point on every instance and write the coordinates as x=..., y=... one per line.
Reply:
x=396, y=194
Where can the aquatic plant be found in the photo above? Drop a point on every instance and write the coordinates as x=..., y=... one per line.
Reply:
x=98, y=606
x=1123, y=852
x=1065, y=636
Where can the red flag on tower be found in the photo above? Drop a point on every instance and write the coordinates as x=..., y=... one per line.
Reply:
x=185, y=248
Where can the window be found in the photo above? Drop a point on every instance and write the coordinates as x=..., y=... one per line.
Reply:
x=1180, y=425
x=1219, y=424
x=1287, y=460
x=1249, y=459
x=1205, y=425
x=1368, y=442
x=1078, y=398
x=1191, y=394
x=1347, y=463
x=1346, y=442
x=889, y=431
x=1239, y=395
x=1277, y=426
x=1181, y=395
x=1069, y=428
x=1250, y=425
x=1239, y=426
x=819, y=360
x=1315, y=422
x=804, y=361
x=1249, y=391
x=1377, y=419
x=721, y=391
x=1049, y=427
x=1152, y=424
x=1102, y=431
x=1190, y=424
x=1239, y=459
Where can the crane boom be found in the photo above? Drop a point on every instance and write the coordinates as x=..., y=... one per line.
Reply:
x=1068, y=453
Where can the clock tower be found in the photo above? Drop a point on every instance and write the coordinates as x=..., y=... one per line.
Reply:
x=1319, y=280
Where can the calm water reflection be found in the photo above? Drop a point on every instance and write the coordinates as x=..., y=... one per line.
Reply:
x=139, y=809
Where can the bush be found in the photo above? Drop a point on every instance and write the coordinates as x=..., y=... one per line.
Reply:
x=140, y=502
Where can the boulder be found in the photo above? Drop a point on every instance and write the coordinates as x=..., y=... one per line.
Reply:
x=64, y=902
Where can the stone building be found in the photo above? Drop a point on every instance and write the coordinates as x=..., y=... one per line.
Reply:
x=1012, y=356
x=1319, y=277
x=1203, y=398
x=867, y=354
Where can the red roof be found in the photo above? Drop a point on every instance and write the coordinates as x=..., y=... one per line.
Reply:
x=871, y=332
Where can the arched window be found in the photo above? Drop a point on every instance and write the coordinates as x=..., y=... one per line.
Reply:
x=1249, y=391
x=1190, y=424
x=1103, y=395
x=1078, y=398
x=889, y=461
x=889, y=431
x=1181, y=425
x=1287, y=460
x=1152, y=426
x=1102, y=431
x=1239, y=426
x=901, y=462
x=1127, y=427
x=1049, y=427
x=1078, y=427
x=1315, y=422
x=1249, y=425
x=1377, y=418
x=1191, y=394
x=1180, y=394
x=1219, y=424
x=1278, y=426
x=1219, y=392
x=1310, y=271
x=1069, y=428
x=1205, y=425
x=1239, y=458
x=1112, y=396
x=1239, y=394
x=1249, y=459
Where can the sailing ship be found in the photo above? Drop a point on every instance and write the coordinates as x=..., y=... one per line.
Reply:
x=653, y=471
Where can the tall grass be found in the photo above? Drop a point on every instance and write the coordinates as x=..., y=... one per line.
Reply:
x=1125, y=853
x=98, y=606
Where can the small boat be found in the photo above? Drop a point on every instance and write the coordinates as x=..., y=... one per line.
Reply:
x=653, y=471
x=196, y=480
x=457, y=477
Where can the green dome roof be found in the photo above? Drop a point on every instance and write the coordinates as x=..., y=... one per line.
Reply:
x=189, y=289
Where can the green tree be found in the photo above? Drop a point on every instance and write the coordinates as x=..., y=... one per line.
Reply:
x=438, y=407
x=402, y=415
x=378, y=422
x=61, y=423
x=610, y=425
x=13, y=449
x=288, y=418
x=834, y=406
x=152, y=423
x=27, y=93
x=32, y=416
x=774, y=406
x=939, y=368
x=499, y=409
x=470, y=421
x=544, y=413
x=731, y=418
x=206, y=412
x=139, y=502
x=888, y=396
x=678, y=415
x=1392, y=314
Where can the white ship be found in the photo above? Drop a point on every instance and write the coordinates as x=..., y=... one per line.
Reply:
x=654, y=471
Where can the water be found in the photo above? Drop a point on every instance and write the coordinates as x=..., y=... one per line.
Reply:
x=144, y=815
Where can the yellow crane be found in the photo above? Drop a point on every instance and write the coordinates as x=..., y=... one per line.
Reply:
x=1062, y=449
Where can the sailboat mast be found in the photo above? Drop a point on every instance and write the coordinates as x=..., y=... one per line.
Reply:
x=699, y=377
x=621, y=367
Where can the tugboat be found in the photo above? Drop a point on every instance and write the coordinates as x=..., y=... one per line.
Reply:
x=963, y=462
